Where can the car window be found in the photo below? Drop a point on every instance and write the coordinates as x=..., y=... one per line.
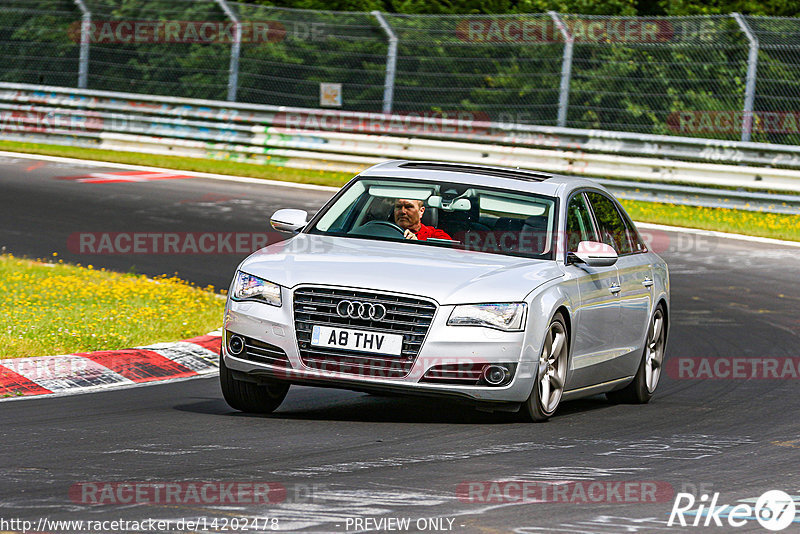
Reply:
x=579, y=223
x=633, y=234
x=455, y=215
x=612, y=228
x=345, y=208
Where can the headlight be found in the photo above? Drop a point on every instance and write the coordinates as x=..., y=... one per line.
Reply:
x=508, y=316
x=249, y=287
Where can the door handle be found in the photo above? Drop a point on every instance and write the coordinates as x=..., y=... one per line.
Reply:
x=648, y=282
x=615, y=288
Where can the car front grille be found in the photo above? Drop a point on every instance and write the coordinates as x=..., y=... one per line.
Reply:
x=409, y=316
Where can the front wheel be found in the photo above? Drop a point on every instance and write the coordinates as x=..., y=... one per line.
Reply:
x=644, y=384
x=249, y=397
x=551, y=375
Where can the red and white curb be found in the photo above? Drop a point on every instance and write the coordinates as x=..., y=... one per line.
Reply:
x=125, y=176
x=89, y=371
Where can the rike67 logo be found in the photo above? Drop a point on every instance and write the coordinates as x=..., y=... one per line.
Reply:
x=775, y=510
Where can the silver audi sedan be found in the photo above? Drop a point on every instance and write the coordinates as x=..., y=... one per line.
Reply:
x=510, y=289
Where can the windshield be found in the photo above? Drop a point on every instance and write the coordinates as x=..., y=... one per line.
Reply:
x=445, y=214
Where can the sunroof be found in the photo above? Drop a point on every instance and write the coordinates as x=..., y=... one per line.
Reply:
x=514, y=174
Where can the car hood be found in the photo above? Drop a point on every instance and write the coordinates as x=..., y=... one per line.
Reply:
x=447, y=275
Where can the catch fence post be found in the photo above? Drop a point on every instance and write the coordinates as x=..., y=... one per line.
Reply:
x=391, y=62
x=83, y=61
x=233, y=71
x=752, y=66
x=566, y=68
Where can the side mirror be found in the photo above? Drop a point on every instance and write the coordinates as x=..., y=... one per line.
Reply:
x=289, y=220
x=595, y=254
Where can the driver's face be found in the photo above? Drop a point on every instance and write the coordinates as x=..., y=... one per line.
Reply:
x=408, y=213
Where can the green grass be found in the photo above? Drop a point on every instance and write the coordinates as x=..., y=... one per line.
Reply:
x=724, y=220
x=55, y=308
x=772, y=225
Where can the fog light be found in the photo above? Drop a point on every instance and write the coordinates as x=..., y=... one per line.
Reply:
x=236, y=344
x=495, y=375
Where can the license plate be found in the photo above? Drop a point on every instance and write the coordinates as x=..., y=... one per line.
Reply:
x=360, y=340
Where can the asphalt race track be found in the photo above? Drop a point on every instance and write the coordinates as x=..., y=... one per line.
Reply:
x=348, y=460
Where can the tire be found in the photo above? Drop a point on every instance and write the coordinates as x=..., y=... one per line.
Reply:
x=644, y=383
x=548, y=386
x=249, y=397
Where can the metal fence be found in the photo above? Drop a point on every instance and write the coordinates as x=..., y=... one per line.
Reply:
x=348, y=142
x=721, y=77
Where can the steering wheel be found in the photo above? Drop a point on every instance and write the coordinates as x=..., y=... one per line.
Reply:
x=379, y=228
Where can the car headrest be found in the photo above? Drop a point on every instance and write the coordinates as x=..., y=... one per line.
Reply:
x=507, y=224
x=430, y=217
x=536, y=227
x=536, y=223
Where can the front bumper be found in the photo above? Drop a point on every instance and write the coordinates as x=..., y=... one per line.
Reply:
x=444, y=345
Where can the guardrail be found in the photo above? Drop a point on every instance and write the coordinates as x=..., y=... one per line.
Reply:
x=350, y=141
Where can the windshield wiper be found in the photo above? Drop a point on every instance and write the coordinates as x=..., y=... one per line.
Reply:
x=439, y=241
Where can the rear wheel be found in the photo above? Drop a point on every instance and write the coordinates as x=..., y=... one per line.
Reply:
x=644, y=384
x=552, y=373
x=250, y=397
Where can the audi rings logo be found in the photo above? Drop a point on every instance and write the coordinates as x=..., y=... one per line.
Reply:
x=361, y=310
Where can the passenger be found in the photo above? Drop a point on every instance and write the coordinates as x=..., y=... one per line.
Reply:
x=408, y=216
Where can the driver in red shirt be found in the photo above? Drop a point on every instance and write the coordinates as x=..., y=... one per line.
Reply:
x=408, y=216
